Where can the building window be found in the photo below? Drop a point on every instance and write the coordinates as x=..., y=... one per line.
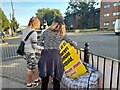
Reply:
x=116, y=4
x=107, y=6
x=106, y=23
x=113, y=22
x=116, y=13
x=106, y=15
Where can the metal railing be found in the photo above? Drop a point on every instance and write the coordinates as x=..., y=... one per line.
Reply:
x=108, y=68
x=9, y=52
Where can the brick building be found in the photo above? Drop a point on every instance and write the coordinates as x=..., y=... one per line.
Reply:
x=110, y=11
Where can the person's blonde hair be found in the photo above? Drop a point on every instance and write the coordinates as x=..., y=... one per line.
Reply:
x=60, y=28
x=33, y=21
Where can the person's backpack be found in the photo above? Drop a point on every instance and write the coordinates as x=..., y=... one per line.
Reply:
x=20, y=49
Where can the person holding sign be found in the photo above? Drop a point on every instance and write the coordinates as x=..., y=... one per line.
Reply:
x=50, y=63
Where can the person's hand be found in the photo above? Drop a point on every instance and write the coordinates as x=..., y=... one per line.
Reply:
x=38, y=51
x=41, y=48
x=75, y=43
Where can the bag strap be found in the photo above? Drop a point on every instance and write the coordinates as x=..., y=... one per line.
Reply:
x=28, y=35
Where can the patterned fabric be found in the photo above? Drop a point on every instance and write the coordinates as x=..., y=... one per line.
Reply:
x=50, y=40
x=31, y=61
x=84, y=81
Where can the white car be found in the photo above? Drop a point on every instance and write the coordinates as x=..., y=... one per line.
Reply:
x=117, y=26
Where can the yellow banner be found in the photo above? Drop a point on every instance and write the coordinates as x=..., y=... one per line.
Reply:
x=73, y=66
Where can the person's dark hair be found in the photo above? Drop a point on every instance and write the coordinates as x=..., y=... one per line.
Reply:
x=59, y=19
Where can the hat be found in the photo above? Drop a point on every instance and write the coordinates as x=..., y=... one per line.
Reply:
x=59, y=19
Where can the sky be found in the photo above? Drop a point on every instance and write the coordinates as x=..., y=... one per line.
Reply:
x=25, y=9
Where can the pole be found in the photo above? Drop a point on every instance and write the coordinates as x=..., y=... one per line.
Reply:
x=86, y=53
x=12, y=17
x=11, y=26
x=12, y=9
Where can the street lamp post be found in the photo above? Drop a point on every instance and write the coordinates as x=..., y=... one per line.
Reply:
x=12, y=18
x=11, y=25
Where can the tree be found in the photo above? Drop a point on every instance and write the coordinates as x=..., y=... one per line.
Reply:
x=15, y=24
x=41, y=12
x=47, y=14
x=81, y=9
x=4, y=23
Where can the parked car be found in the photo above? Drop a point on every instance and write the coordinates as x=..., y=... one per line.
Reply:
x=117, y=26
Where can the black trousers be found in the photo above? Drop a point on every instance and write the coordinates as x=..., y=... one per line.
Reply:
x=45, y=80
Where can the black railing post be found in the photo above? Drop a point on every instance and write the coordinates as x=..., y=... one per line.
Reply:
x=86, y=53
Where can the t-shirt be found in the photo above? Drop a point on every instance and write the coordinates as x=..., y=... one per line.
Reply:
x=31, y=43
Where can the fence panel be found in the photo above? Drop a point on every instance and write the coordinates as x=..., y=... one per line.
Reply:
x=109, y=70
x=9, y=51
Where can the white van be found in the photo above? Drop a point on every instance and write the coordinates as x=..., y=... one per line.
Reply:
x=117, y=26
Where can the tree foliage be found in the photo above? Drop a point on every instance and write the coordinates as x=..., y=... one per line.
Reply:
x=47, y=14
x=4, y=23
x=14, y=24
x=81, y=9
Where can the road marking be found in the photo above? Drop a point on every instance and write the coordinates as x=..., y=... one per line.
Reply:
x=10, y=65
x=9, y=45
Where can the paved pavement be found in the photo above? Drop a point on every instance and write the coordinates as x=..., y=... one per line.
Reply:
x=11, y=83
x=13, y=73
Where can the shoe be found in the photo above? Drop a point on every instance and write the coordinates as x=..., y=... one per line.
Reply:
x=29, y=85
x=37, y=83
x=33, y=85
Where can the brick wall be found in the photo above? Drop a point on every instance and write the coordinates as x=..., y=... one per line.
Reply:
x=109, y=19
